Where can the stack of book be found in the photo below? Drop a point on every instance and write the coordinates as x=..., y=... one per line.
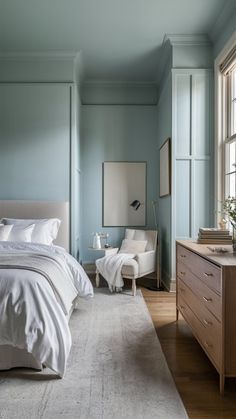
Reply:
x=214, y=236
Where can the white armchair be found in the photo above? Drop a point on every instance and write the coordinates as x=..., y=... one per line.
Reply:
x=143, y=263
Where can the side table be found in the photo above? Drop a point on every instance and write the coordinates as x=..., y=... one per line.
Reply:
x=105, y=251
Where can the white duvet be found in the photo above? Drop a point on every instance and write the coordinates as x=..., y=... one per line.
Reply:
x=31, y=317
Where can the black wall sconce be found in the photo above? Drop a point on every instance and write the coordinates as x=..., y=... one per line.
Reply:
x=135, y=204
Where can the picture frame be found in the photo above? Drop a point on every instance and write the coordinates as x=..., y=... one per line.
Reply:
x=124, y=186
x=165, y=168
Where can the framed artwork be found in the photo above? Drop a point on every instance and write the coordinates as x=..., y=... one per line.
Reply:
x=124, y=194
x=165, y=168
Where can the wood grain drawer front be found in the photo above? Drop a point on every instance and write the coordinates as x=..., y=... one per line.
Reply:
x=209, y=298
x=189, y=316
x=209, y=273
x=184, y=255
x=210, y=342
x=210, y=323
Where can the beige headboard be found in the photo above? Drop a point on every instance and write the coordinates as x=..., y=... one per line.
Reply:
x=41, y=209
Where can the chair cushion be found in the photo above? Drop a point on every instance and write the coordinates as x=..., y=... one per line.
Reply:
x=149, y=235
x=130, y=268
x=133, y=246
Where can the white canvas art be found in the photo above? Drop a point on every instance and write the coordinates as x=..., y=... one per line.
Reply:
x=124, y=183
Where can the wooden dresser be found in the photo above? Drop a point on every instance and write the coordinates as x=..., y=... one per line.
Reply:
x=206, y=298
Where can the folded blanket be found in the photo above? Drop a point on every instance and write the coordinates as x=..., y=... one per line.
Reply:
x=110, y=268
x=49, y=267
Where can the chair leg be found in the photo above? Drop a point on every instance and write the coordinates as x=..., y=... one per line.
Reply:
x=134, y=287
x=97, y=278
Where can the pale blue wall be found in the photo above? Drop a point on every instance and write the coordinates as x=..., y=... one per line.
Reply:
x=39, y=130
x=192, y=56
x=164, y=130
x=171, y=98
x=37, y=68
x=119, y=93
x=225, y=31
x=113, y=133
x=34, y=141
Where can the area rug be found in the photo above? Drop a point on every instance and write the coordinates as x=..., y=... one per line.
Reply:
x=116, y=369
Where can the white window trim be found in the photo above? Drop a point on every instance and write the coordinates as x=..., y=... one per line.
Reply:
x=220, y=126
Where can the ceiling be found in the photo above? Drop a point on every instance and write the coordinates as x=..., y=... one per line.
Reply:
x=120, y=39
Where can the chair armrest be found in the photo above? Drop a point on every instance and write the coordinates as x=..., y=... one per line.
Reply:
x=146, y=261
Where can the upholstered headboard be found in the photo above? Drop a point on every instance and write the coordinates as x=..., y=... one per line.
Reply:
x=41, y=209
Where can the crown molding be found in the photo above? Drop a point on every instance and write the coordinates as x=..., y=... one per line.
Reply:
x=118, y=84
x=39, y=56
x=198, y=39
x=166, y=56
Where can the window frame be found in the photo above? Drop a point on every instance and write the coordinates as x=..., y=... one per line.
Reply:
x=221, y=126
x=230, y=135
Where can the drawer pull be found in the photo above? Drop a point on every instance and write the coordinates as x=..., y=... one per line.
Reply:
x=208, y=274
x=208, y=345
x=183, y=273
x=183, y=256
x=182, y=307
x=206, y=322
x=207, y=299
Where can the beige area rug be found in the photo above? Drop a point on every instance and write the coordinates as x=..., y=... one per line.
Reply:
x=116, y=369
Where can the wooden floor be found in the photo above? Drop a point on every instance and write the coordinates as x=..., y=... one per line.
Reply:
x=195, y=377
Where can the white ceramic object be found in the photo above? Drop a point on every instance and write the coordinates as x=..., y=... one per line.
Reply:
x=96, y=241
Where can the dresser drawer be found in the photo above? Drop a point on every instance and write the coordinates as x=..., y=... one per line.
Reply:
x=184, y=255
x=210, y=342
x=209, y=273
x=209, y=298
x=211, y=325
x=188, y=315
x=206, y=297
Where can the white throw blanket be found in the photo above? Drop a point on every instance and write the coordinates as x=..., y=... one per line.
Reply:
x=58, y=276
x=110, y=268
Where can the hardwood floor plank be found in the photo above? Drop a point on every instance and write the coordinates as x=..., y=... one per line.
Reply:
x=196, y=379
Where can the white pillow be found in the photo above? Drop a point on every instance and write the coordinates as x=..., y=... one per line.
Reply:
x=20, y=234
x=133, y=246
x=45, y=230
x=4, y=232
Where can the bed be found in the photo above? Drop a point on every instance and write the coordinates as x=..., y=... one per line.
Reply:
x=40, y=285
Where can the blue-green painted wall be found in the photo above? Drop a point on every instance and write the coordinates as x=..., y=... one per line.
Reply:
x=164, y=131
x=176, y=111
x=39, y=130
x=225, y=28
x=34, y=141
x=45, y=67
x=113, y=133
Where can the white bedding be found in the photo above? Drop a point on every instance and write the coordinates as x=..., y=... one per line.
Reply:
x=31, y=317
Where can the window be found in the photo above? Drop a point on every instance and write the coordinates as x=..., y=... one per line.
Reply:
x=228, y=68
x=230, y=141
